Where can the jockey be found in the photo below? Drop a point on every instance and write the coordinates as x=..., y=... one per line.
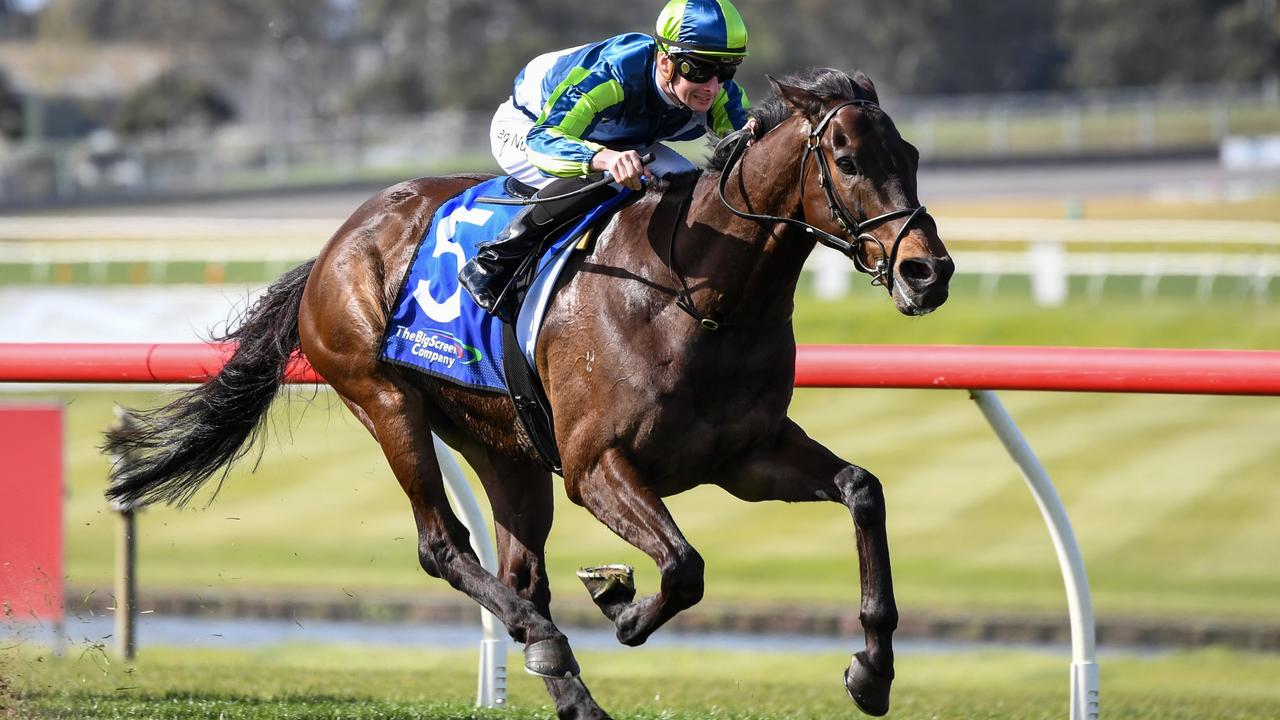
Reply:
x=600, y=107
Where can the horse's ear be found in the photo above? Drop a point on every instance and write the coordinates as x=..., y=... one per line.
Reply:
x=867, y=86
x=800, y=99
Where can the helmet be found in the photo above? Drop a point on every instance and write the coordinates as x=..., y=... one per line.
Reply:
x=702, y=27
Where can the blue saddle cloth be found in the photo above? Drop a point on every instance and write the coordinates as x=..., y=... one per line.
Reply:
x=435, y=326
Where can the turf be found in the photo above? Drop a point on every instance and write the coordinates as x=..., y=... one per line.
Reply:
x=306, y=681
x=1173, y=498
x=1263, y=207
x=1093, y=129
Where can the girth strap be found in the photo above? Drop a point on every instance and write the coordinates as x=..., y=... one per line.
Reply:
x=532, y=406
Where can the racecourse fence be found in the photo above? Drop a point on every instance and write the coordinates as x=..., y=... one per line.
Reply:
x=953, y=367
x=980, y=370
x=1055, y=256
x=1051, y=258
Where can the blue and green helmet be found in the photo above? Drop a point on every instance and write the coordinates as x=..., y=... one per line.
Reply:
x=702, y=27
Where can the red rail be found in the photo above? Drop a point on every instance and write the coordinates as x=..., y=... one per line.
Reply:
x=121, y=363
x=1210, y=372
x=1213, y=372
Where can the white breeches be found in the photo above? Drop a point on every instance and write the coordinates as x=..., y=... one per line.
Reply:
x=507, y=140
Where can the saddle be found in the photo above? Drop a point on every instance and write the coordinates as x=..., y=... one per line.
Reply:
x=436, y=328
x=517, y=189
x=523, y=386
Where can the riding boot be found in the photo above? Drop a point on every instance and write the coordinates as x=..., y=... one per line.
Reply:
x=488, y=276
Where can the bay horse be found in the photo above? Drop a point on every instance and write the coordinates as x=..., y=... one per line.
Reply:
x=667, y=354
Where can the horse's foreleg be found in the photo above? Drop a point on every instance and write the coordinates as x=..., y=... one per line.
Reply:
x=799, y=469
x=444, y=549
x=613, y=492
x=521, y=498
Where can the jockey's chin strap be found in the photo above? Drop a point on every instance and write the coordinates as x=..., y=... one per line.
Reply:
x=671, y=91
x=882, y=272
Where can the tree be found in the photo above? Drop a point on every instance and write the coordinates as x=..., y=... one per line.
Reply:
x=914, y=46
x=287, y=59
x=1118, y=42
x=174, y=99
x=14, y=22
x=11, y=119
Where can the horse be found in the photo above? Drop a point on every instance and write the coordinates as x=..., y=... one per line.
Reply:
x=667, y=355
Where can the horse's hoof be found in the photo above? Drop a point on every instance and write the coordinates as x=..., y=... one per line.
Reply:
x=868, y=689
x=550, y=658
x=611, y=586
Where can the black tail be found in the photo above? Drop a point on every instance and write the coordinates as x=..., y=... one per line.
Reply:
x=169, y=452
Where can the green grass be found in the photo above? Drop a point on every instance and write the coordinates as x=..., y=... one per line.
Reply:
x=1122, y=320
x=185, y=272
x=329, y=173
x=1173, y=498
x=1264, y=207
x=1095, y=130
x=306, y=681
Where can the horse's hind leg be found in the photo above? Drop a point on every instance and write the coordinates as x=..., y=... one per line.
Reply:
x=521, y=497
x=395, y=411
x=799, y=469
x=614, y=493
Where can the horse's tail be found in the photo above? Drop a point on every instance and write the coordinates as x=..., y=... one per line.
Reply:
x=169, y=452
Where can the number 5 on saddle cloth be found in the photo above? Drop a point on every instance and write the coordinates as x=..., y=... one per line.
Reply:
x=437, y=328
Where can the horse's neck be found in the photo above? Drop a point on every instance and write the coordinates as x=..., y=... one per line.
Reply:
x=748, y=268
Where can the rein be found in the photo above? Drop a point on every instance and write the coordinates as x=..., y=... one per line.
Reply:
x=538, y=200
x=882, y=272
x=684, y=296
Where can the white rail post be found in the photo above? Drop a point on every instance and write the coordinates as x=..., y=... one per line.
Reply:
x=1084, y=666
x=491, y=690
x=126, y=556
x=126, y=613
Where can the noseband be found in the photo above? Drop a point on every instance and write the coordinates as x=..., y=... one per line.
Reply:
x=882, y=272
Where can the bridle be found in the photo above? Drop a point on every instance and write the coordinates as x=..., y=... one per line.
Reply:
x=860, y=230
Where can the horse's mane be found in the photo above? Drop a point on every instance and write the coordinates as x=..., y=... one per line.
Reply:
x=677, y=182
x=826, y=83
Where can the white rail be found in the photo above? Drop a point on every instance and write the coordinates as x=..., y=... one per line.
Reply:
x=1162, y=232
x=491, y=690
x=314, y=231
x=1084, y=662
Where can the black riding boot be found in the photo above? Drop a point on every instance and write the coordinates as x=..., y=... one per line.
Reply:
x=488, y=275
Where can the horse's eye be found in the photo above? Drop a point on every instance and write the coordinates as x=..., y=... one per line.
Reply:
x=847, y=165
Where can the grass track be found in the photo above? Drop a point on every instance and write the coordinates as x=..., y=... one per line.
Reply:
x=296, y=682
x=1264, y=207
x=342, y=682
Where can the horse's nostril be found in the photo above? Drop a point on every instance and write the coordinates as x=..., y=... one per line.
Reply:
x=918, y=272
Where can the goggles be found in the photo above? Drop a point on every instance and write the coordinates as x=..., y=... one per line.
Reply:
x=698, y=70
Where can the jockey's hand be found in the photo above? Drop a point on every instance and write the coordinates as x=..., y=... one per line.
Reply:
x=754, y=126
x=625, y=167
